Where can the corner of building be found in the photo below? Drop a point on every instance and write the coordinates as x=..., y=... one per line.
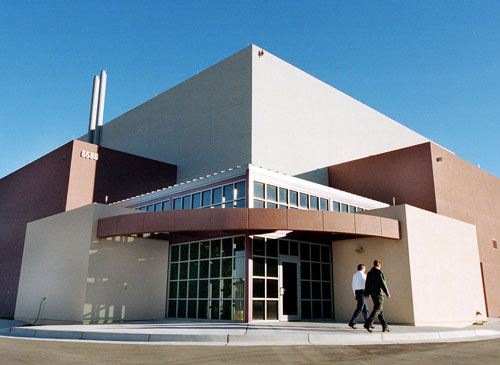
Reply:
x=448, y=290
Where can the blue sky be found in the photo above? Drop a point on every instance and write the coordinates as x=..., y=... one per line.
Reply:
x=431, y=65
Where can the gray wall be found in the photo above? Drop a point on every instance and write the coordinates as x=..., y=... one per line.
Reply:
x=201, y=125
x=260, y=110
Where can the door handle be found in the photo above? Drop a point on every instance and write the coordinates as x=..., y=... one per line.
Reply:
x=282, y=291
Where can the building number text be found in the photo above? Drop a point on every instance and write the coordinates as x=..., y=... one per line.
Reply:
x=89, y=155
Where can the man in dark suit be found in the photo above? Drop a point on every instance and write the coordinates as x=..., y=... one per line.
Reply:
x=376, y=287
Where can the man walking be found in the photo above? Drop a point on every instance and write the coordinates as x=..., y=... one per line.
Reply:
x=376, y=287
x=358, y=288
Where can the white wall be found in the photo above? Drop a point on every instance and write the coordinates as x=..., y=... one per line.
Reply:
x=85, y=278
x=301, y=124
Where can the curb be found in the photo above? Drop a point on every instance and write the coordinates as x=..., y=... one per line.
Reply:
x=286, y=339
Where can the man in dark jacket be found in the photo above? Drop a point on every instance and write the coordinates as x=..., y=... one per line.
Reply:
x=376, y=287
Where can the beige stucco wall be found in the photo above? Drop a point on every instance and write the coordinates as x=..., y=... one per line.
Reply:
x=394, y=255
x=84, y=278
x=445, y=269
x=127, y=279
x=433, y=272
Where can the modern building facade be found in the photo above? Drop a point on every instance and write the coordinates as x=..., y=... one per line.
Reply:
x=316, y=183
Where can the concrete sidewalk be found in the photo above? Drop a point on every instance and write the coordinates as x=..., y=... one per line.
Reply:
x=173, y=331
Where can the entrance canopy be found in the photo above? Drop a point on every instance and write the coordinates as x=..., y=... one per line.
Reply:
x=256, y=220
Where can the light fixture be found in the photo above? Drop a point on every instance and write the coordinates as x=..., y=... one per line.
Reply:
x=274, y=235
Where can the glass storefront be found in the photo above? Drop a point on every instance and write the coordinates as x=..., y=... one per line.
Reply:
x=206, y=279
x=291, y=280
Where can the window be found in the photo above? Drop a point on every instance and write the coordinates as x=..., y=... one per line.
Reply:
x=314, y=203
x=206, y=279
x=335, y=206
x=166, y=205
x=240, y=190
x=258, y=203
x=272, y=193
x=352, y=209
x=494, y=242
x=316, y=284
x=343, y=207
x=265, y=278
x=294, y=198
x=177, y=203
x=186, y=202
x=228, y=193
x=258, y=190
x=217, y=196
x=304, y=201
x=271, y=196
x=283, y=199
x=206, y=201
x=196, y=200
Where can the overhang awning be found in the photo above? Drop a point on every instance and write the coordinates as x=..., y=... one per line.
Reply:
x=248, y=220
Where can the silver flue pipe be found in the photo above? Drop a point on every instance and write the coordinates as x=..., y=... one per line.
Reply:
x=100, y=108
x=93, y=110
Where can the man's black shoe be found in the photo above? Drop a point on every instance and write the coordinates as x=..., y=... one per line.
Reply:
x=386, y=329
x=353, y=326
x=369, y=329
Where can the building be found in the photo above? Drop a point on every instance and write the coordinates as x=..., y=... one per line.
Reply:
x=316, y=181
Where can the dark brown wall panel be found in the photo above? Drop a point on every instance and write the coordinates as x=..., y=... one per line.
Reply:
x=33, y=192
x=120, y=175
x=405, y=174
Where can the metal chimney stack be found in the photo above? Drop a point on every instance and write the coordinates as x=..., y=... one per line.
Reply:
x=93, y=110
x=97, y=109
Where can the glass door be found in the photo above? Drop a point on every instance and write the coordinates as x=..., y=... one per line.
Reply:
x=289, y=292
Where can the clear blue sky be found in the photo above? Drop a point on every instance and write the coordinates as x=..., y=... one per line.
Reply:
x=433, y=66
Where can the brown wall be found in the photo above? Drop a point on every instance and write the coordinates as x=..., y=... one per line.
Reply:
x=405, y=175
x=81, y=177
x=33, y=192
x=452, y=187
x=63, y=180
